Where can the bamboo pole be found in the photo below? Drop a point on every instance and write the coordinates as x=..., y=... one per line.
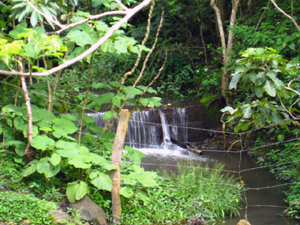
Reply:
x=116, y=160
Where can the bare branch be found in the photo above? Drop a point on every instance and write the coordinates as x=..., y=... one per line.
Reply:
x=287, y=15
x=91, y=17
x=129, y=13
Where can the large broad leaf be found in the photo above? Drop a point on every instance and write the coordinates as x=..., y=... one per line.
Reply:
x=100, y=85
x=154, y=101
x=44, y=166
x=144, y=101
x=76, y=190
x=132, y=90
x=35, y=130
x=101, y=180
x=81, y=161
x=247, y=112
x=147, y=179
x=142, y=196
x=270, y=88
x=55, y=159
x=67, y=149
x=81, y=38
x=30, y=168
x=14, y=109
x=42, y=142
x=127, y=192
x=97, y=159
x=120, y=45
x=64, y=125
x=19, y=123
x=134, y=155
x=234, y=81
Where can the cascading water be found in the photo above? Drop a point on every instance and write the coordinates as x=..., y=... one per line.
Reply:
x=153, y=128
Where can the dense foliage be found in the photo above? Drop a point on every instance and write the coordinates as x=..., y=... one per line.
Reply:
x=69, y=57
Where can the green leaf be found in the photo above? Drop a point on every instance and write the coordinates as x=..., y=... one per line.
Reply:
x=134, y=155
x=33, y=18
x=100, y=85
x=142, y=196
x=20, y=148
x=247, y=112
x=108, y=145
x=132, y=91
x=154, y=101
x=42, y=142
x=292, y=46
x=234, y=81
x=55, y=159
x=109, y=166
x=146, y=179
x=101, y=180
x=116, y=100
x=120, y=45
x=81, y=161
x=64, y=125
x=44, y=166
x=280, y=137
x=127, y=192
x=20, y=28
x=144, y=101
x=19, y=123
x=76, y=190
x=30, y=168
x=115, y=84
x=97, y=159
x=269, y=88
x=67, y=149
x=81, y=38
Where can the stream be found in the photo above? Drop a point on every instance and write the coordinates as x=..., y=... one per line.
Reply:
x=264, y=206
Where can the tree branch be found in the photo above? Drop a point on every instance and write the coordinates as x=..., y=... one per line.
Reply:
x=91, y=17
x=129, y=13
x=121, y=4
x=49, y=19
x=287, y=15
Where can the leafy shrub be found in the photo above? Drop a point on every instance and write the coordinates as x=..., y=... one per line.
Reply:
x=16, y=207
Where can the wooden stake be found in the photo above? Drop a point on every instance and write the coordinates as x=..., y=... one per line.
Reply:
x=116, y=160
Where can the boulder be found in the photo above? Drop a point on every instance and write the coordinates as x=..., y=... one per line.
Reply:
x=60, y=217
x=89, y=210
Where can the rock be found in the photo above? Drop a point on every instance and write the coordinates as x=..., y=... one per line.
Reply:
x=89, y=210
x=25, y=222
x=243, y=222
x=60, y=217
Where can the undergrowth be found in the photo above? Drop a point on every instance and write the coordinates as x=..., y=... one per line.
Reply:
x=19, y=207
x=195, y=191
x=284, y=162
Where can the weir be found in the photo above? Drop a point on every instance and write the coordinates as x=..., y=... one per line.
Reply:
x=154, y=127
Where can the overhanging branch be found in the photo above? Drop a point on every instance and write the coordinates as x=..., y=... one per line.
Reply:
x=128, y=14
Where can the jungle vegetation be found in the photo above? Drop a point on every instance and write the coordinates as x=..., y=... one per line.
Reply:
x=60, y=59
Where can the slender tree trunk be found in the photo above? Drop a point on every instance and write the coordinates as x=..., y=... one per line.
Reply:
x=226, y=48
x=27, y=151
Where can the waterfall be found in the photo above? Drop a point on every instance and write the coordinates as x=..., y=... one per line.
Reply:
x=153, y=128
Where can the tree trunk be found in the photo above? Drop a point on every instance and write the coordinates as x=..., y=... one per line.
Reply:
x=28, y=152
x=226, y=48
